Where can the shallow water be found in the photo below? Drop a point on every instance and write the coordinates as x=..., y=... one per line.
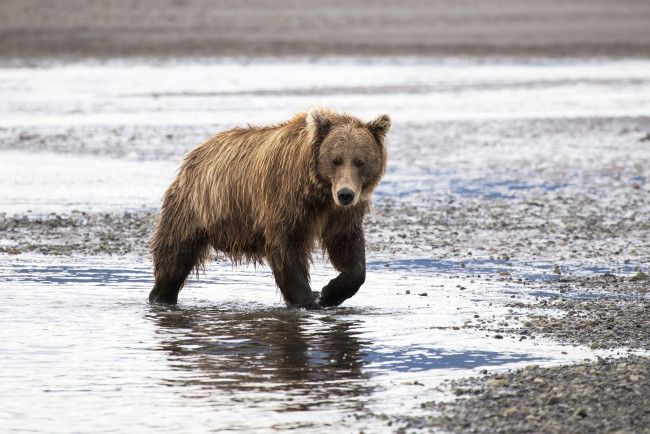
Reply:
x=226, y=92
x=82, y=350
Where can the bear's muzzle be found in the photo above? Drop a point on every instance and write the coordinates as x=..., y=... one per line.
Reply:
x=345, y=196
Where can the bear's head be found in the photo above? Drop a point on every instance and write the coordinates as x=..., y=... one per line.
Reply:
x=350, y=154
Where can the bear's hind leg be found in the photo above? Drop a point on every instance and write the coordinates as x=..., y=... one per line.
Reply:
x=172, y=265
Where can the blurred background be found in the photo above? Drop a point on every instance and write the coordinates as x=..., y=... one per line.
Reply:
x=161, y=28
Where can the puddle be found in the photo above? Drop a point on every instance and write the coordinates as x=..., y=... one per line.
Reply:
x=47, y=182
x=537, y=271
x=400, y=182
x=79, y=340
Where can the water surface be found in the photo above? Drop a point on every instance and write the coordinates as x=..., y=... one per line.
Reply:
x=83, y=349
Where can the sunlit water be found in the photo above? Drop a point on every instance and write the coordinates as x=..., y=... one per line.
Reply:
x=81, y=350
x=264, y=91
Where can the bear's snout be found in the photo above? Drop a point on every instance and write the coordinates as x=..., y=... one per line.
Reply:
x=346, y=196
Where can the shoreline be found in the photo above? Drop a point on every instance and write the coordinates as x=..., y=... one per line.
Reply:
x=43, y=62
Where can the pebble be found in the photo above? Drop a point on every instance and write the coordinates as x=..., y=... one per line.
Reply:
x=77, y=233
x=596, y=397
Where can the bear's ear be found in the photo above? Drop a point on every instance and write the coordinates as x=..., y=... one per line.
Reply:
x=317, y=125
x=379, y=127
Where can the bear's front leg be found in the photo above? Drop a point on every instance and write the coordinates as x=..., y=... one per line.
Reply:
x=288, y=260
x=347, y=252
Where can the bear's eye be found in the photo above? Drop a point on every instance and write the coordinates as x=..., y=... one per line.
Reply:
x=337, y=161
x=359, y=163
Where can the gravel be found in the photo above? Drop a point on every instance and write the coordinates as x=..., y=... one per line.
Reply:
x=78, y=233
x=604, y=322
x=609, y=395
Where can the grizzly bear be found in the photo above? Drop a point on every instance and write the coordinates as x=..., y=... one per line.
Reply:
x=273, y=193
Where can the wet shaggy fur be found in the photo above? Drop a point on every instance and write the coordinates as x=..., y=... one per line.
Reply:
x=274, y=193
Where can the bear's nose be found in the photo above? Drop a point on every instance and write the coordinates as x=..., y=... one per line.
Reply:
x=346, y=196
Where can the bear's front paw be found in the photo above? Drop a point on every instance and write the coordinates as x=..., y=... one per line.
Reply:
x=313, y=304
x=308, y=303
x=324, y=301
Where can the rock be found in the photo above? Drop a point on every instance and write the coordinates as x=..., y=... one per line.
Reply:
x=553, y=400
x=580, y=413
x=497, y=382
x=510, y=411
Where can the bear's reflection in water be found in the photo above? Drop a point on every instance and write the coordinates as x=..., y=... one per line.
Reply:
x=295, y=359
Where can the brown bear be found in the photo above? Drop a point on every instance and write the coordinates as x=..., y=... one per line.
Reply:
x=271, y=193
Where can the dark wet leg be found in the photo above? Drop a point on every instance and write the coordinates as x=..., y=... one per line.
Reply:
x=291, y=272
x=171, y=268
x=347, y=254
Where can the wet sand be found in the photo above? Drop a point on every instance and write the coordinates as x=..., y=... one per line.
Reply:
x=73, y=29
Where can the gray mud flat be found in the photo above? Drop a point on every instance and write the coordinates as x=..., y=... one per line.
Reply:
x=507, y=253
